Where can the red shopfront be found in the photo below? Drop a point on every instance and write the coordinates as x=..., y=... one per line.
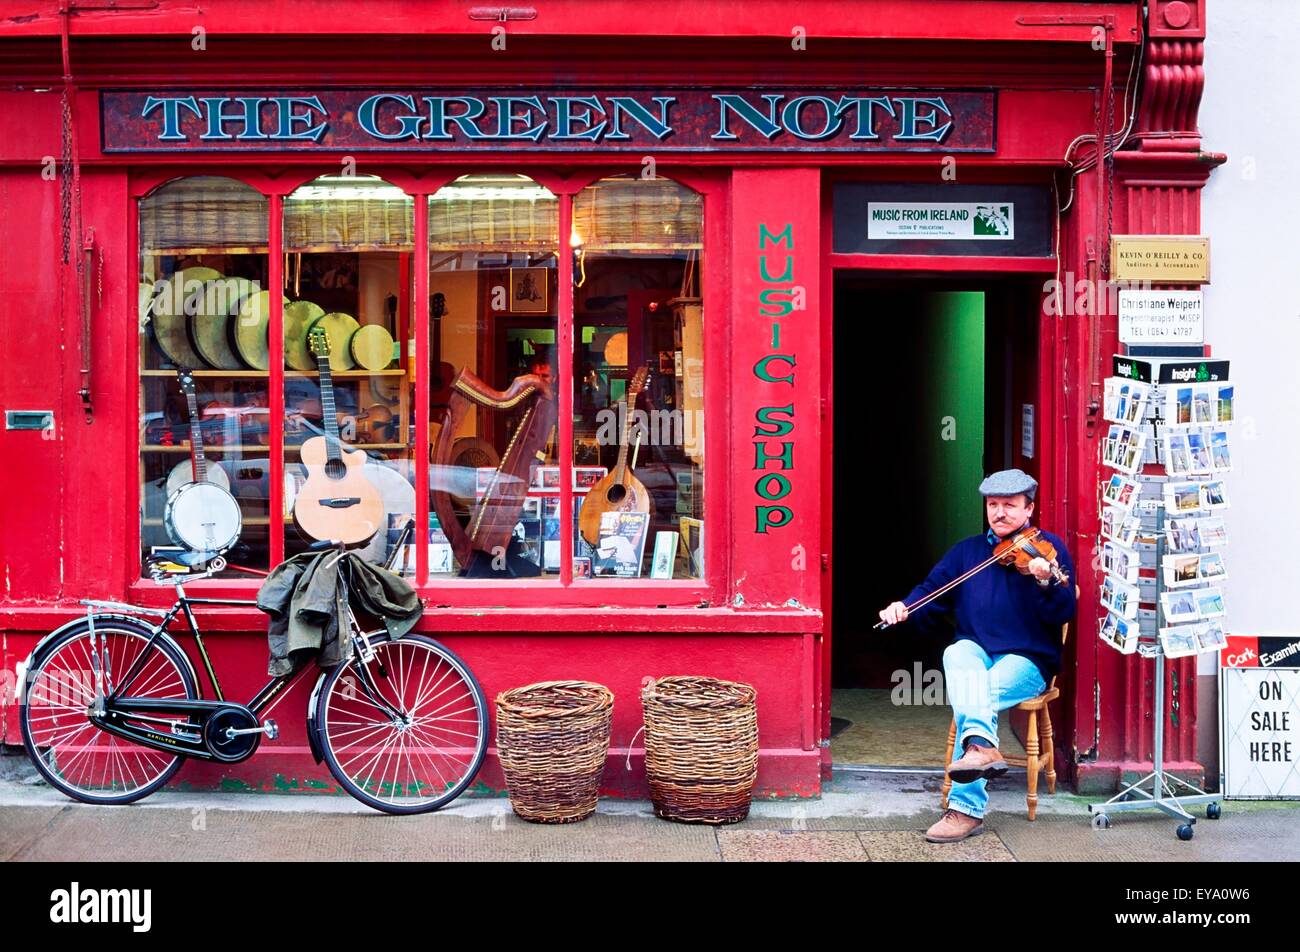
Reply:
x=583, y=193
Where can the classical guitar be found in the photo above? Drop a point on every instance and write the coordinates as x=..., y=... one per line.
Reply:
x=200, y=514
x=336, y=501
x=618, y=490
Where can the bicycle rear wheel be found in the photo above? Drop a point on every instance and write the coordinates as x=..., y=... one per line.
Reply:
x=412, y=737
x=70, y=752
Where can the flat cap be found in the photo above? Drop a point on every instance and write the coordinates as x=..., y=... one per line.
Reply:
x=1009, y=482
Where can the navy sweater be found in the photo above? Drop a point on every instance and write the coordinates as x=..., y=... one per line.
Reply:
x=999, y=609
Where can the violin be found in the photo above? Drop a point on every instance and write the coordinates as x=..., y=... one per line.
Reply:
x=1018, y=550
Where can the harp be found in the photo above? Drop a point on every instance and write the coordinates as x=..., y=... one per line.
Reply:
x=494, y=511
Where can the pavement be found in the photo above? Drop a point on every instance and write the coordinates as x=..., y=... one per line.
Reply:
x=862, y=816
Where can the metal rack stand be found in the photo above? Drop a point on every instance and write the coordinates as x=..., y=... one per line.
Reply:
x=1162, y=794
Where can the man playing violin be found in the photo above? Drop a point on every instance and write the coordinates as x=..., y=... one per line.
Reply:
x=1008, y=644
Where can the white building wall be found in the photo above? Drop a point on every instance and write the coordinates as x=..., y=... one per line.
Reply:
x=1251, y=211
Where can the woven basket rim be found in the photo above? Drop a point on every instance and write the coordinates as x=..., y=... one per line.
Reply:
x=674, y=690
x=530, y=699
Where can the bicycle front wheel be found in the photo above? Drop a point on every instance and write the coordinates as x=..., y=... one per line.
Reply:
x=408, y=733
x=70, y=752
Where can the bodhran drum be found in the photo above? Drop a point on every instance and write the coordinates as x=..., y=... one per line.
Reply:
x=214, y=313
x=372, y=347
x=250, y=330
x=203, y=517
x=298, y=318
x=339, y=328
x=170, y=314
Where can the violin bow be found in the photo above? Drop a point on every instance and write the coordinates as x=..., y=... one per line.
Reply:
x=949, y=586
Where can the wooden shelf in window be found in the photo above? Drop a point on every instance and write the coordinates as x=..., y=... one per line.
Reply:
x=212, y=250
x=209, y=449
x=263, y=374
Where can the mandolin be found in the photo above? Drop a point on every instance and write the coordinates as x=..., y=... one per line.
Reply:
x=336, y=502
x=618, y=490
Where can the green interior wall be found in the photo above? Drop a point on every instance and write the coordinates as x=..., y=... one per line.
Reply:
x=951, y=332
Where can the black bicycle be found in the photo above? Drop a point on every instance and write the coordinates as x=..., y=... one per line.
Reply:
x=112, y=706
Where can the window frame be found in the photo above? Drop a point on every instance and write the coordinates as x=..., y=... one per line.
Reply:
x=562, y=592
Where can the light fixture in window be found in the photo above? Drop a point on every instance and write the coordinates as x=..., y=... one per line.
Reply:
x=580, y=256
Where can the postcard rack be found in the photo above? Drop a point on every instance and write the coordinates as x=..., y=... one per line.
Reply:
x=1168, y=417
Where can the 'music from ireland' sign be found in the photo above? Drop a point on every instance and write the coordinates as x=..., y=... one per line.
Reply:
x=624, y=120
x=946, y=221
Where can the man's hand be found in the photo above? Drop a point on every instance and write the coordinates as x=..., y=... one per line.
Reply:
x=1040, y=569
x=895, y=613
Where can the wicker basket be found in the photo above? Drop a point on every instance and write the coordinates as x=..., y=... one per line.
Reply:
x=701, y=748
x=552, y=739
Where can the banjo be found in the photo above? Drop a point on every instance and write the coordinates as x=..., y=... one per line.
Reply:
x=200, y=515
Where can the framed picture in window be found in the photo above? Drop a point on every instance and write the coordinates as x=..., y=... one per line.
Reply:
x=528, y=291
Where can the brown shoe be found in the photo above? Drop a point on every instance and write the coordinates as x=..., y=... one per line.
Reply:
x=953, y=827
x=977, y=762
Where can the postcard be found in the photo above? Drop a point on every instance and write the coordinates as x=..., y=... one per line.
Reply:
x=1121, y=491
x=1224, y=414
x=1182, y=570
x=1212, y=532
x=1120, y=633
x=1120, y=597
x=1204, y=404
x=1120, y=562
x=1179, y=642
x=1119, y=526
x=1199, y=451
x=1183, y=535
x=1178, y=462
x=1209, y=602
x=1213, y=495
x=1221, y=458
x=1178, y=408
x=1182, y=498
x=1179, y=606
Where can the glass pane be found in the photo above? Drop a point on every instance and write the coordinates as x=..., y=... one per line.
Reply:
x=494, y=478
x=349, y=380
x=638, y=389
x=203, y=371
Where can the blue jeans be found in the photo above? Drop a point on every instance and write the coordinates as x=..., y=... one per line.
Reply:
x=979, y=685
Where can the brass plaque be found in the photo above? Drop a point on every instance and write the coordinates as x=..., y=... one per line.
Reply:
x=1162, y=259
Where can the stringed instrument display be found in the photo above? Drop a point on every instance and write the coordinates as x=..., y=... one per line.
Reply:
x=200, y=514
x=494, y=511
x=336, y=501
x=618, y=490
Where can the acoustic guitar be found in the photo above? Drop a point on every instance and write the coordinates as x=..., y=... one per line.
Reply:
x=337, y=501
x=618, y=490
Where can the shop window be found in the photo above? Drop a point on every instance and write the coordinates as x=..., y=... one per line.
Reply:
x=638, y=387
x=495, y=479
x=203, y=368
x=349, y=375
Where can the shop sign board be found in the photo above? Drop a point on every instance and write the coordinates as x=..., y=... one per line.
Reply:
x=1260, y=718
x=648, y=120
x=1161, y=317
x=1164, y=259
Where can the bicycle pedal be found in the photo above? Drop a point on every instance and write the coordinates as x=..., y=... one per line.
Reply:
x=272, y=729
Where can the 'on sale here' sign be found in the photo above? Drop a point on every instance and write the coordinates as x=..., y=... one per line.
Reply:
x=1260, y=718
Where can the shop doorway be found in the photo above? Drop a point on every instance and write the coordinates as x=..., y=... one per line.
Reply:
x=929, y=380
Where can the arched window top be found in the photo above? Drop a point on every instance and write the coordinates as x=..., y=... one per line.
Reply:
x=495, y=212
x=348, y=213
x=203, y=214
x=628, y=213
